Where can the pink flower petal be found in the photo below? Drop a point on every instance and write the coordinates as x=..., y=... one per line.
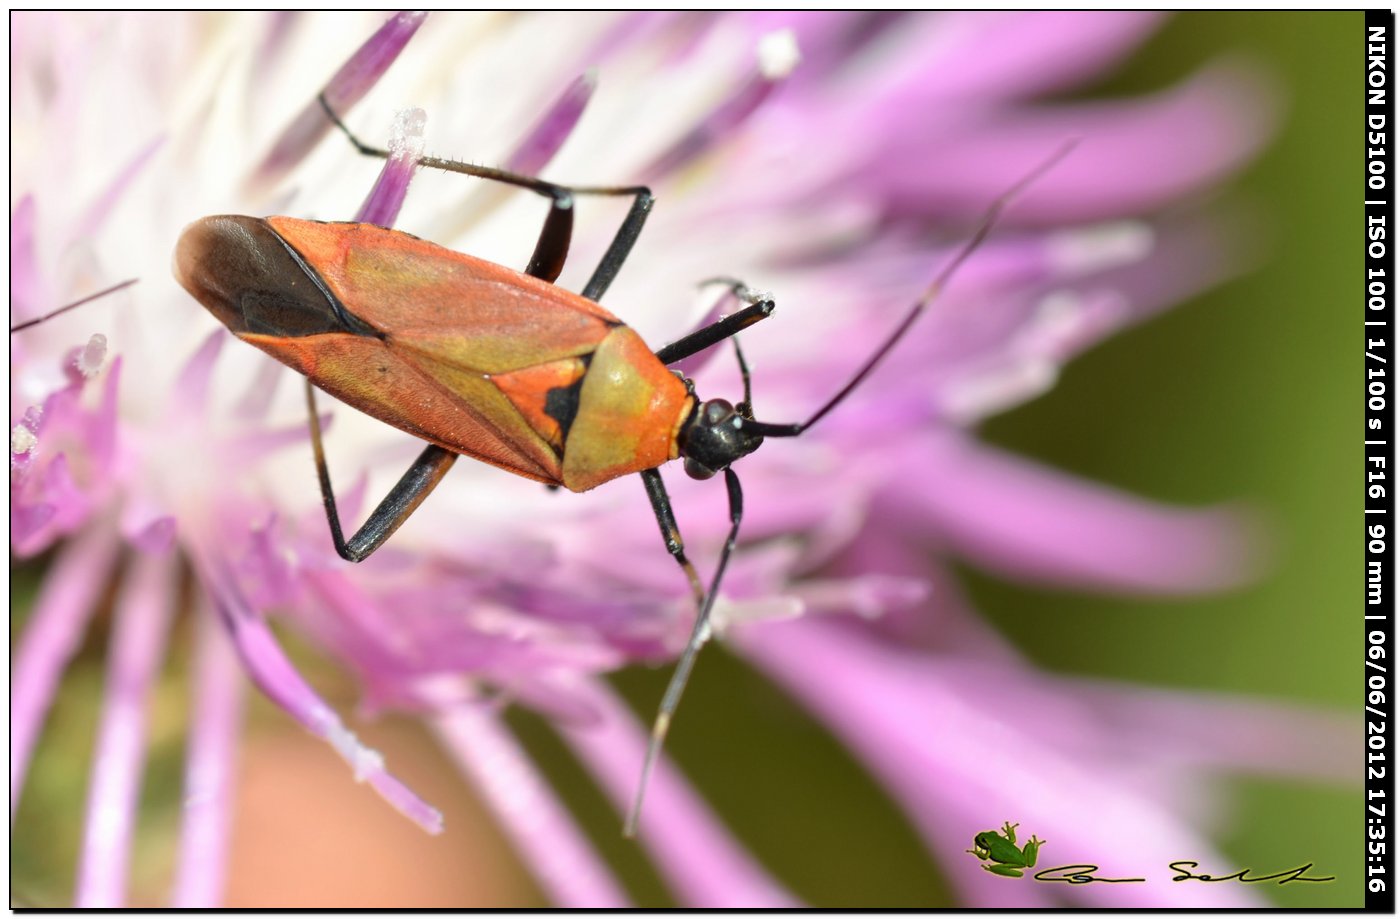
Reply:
x=191, y=390
x=1028, y=521
x=405, y=148
x=551, y=844
x=990, y=56
x=720, y=124
x=1201, y=730
x=26, y=284
x=548, y=134
x=351, y=82
x=50, y=638
x=276, y=676
x=210, y=769
x=1133, y=155
x=704, y=864
x=143, y=615
x=961, y=767
x=96, y=217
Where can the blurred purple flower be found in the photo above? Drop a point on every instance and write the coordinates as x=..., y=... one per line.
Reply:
x=840, y=183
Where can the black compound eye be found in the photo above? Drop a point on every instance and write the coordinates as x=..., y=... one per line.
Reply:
x=716, y=411
x=697, y=471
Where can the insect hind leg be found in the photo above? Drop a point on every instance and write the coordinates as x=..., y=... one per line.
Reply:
x=553, y=244
x=403, y=499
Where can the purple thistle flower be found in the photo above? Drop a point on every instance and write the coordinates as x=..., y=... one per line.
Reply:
x=836, y=160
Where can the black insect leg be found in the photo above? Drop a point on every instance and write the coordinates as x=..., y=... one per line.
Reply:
x=759, y=308
x=698, y=637
x=670, y=532
x=553, y=244
x=420, y=479
x=744, y=408
x=552, y=248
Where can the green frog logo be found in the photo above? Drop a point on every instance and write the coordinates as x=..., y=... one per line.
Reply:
x=1000, y=849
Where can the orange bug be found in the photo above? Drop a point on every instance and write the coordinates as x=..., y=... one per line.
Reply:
x=485, y=361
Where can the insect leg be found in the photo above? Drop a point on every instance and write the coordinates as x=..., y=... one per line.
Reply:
x=666, y=518
x=745, y=408
x=698, y=636
x=403, y=499
x=553, y=246
x=545, y=253
x=701, y=339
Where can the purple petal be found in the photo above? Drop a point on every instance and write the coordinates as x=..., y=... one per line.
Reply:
x=930, y=740
x=51, y=636
x=25, y=280
x=1200, y=730
x=102, y=427
x=543, y=140
x=96, y=216
x=210, y=769
x=191, y=391
x=59, y=507
x=868, y=595
x=265, y=569
x=984, y=57
x=262, y=442
x=635, y=29
x=146, y=525
x=46, y=500
x=143, y=614
x=351, y=82
x=828, y=39
x=257, y=398
x=549, y=841
x=275, y=675
x=1133, y=155
x=357, y=76
x=720, y=124
x=405, y=148
x=705, y=865
x=1028, y=521
x=277, y=31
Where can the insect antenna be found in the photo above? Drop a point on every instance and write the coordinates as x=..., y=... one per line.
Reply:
x=30, y=323
x=931, y=293
x=698, y=636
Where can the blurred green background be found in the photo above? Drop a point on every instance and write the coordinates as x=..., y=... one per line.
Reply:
x=1248, y=392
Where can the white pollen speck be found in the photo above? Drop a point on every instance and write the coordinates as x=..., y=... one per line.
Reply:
x=778, y=54
x=89, y=360
x=22, y=440
x=406, y=137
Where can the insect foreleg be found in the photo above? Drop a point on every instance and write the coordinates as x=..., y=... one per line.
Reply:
x=698, y=637
x=670, y=532
x=714, y=333
x=403, y=499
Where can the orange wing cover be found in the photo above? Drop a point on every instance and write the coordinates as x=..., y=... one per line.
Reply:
x=469, y=347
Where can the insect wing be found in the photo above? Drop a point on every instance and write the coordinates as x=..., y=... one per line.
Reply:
x=456, y=330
